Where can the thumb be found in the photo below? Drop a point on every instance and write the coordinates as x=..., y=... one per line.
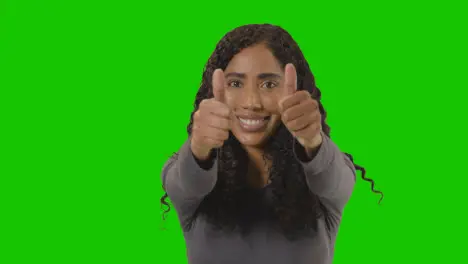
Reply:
x=290, y=79
x=218, y=85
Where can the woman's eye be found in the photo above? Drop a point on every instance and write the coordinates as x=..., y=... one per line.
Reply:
x=269, y=85
x=234, y=84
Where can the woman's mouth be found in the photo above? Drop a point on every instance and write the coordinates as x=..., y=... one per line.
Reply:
x=253, y=125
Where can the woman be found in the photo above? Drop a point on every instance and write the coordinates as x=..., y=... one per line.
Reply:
x=259, y=180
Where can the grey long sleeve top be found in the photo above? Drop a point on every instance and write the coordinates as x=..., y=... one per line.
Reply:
x=330, y=175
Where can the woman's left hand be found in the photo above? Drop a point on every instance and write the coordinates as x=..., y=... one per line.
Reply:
x=300, y=112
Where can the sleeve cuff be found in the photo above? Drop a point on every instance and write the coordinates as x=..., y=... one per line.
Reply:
x=322, y=159
x=199, y=179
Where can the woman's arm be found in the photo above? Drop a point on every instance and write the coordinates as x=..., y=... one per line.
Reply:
x=187, y=181
x=329, y=173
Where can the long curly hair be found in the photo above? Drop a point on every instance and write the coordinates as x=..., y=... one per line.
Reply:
x=229, y=205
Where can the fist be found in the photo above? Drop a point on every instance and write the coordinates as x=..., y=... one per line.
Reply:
x=211, y=122
x=300, y=112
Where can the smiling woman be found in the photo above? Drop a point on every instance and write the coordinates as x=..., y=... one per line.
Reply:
x=259, y=180
x=254, y=81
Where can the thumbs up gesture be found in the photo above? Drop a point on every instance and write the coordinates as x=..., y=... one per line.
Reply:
x=300, y=113
x=211, y=122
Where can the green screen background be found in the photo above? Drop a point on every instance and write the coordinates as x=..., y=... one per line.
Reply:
x=95, y=96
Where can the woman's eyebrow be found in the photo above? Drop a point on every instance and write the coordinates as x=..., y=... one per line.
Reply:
x=265, y=75
x=236, y=74
x=269, y=75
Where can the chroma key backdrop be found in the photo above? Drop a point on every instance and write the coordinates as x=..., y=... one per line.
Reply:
x=96, y=95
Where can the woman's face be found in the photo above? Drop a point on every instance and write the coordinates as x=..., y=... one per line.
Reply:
x=254, y=80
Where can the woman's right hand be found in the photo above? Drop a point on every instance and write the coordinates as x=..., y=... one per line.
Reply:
x=211, y=122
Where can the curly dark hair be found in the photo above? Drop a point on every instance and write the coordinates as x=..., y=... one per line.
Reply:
x=295, y=209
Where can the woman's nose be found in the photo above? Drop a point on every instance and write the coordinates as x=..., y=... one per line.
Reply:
x=250, y=98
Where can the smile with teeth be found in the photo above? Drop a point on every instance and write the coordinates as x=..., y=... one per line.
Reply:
x=253, y=125
x=251, y=122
